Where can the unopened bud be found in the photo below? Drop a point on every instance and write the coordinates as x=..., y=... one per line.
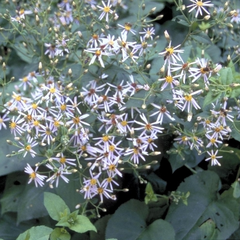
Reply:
x=143, y=6
x=40, y=66
x=152, y=10
x=37, y=19
x=4, y=66
x=155, y=153
x=207, y=17
x=9, y=142
x=159, y=17
x=70, y=71
x=167, y=36
x=148, y=66
x=78, y=206
x=226, y=5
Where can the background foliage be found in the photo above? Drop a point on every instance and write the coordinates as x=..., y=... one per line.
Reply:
x=173, y=195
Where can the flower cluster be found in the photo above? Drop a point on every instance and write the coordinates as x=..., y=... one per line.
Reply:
x=109, y=111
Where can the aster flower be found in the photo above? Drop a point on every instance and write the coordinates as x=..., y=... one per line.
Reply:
x=203, y=70
x=162, y=111
x=168, y=80
x=52, y=50
x=58, y=173
x=61, y=158
x=102, y=190
x=147, y=126
x=136, y=153
x=3, y=119
x=235, y=16
x=142, y=47
x=213, y=157
x=34, y=176
x=148, y=33
x=172, y=54
x=15, y=125
x=187, y=100
x=27, y=147
x=106, y=9
x=98, y=53
x=127, y=28
x=200, y=6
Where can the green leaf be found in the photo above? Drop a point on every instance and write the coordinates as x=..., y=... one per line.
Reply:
x=206, y=204
x=235, y=127
x=209, y=230
x=158, y=230
x=229, y=162
x=60, y=233
x=15, y=163
x=210, y=98
x=131, y=216
x=157, y=209
x=55, y=206
x=36, y=233
x=201, y=37
x=236, y=189
x=226, y=76
x=150, y=195
x=82, y=224
x=100, y=225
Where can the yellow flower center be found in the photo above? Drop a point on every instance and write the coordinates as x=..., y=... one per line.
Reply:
x=28, y=148
x=62, y=160
x=100, y=190
x=95, y=36
x=112, y=167
x=169, y=79
x=34, y=106
x=212, y=140
x=13, y=125
x=207, y=122
x=135, y=150
x=56, y=123
x=124, y=123
x=105, y=138
x=84, y=148
x=25, y=79
x=188, y=98
x=1, y=120
x=63, y=107
x=76, y=120
x=128, y=26
x=150, y=140
x=106, y=9
x=109, y=179
x=36, y=123
x=32, y=175
x=48, y=132
x=98, y=53
x=199, y=3
x=213, y=157
x=93, y=181
x=21, y=11
x=52, y=90
x=17, y=98
x=170, y=50
x=111, y=148
x=148, y=127
x=184, y=138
